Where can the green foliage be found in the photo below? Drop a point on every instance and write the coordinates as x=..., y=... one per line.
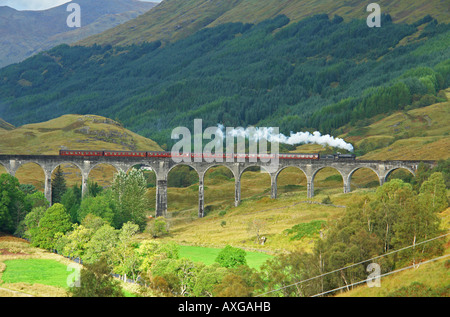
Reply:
x=290, y=268
x=27, y=188
x=36, y=199
x=207, y=280
x=443, y=166
x=54, y=222
x=305, y=230
x=12, y=208
x=152, y=251
x=177, y=274
x=94, y=189
x=74, y=243
x=158, y=227
x=100, y=206
x=96, y=281
x=129, y=195
x=327, y=200
x=397, y=217
x=231, y=257
x=434, y=192
x=71, y=201
x=101, y=244
x=31, y=222
x=58, y=186
x=123, y=257
x=336, y=178
x=315, y=73
x=240, y=281
x=93, y=222
x=182, y=176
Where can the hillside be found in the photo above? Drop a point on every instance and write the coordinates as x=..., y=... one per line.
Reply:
x=417, y=134
x=5, y=125
x=24, y=33
x=88, y=132
x=176, y=19
x=316, y=74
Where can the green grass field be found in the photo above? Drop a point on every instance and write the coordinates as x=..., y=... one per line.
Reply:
x=36, y=271
x=208, y=255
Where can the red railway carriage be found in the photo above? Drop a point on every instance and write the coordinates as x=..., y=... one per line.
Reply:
x=125, y=153
x=80, y=153
x=291, y=156
x=300, y=156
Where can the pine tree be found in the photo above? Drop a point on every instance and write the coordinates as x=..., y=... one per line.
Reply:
x=58, y=186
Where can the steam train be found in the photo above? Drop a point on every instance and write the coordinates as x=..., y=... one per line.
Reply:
x=291, y=156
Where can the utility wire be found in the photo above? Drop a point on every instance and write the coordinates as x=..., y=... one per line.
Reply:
x=386, y=274
x=346, y=267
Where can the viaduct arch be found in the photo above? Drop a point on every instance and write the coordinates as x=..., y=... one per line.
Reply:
x=162, y=166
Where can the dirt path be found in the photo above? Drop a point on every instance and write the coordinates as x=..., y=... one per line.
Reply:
x=15, y=292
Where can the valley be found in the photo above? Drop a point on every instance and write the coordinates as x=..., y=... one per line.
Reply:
x=137, y=72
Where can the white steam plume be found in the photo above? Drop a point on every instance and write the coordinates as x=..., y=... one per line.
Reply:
x=293, y=139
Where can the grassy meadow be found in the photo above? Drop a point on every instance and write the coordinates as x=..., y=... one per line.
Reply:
x=29, y=271
x=225, y=224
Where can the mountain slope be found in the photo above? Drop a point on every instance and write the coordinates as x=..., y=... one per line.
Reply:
x=175, y=19
x=5, y=125
x=318, y=73
x=416, y=134
x=23, y=33
x=88, y=132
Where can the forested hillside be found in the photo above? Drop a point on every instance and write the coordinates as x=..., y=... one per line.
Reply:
x=317, y=74
x=172, y=20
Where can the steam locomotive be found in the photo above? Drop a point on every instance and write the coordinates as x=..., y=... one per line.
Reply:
x=164, y=154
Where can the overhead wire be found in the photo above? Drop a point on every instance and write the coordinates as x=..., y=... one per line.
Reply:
x=352, y=265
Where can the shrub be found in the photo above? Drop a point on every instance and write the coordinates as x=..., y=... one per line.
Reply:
x=231, y=257
x=158, y=227
x=327, y=200
x=308, y=229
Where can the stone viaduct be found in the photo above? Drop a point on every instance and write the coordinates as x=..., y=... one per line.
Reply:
x=162, y=166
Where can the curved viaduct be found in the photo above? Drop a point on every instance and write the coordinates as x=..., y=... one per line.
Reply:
x=162, y=167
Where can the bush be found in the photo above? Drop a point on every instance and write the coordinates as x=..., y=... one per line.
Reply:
x=231, y=257
x=327, y=200
x=308, y=229
x=158, y=227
